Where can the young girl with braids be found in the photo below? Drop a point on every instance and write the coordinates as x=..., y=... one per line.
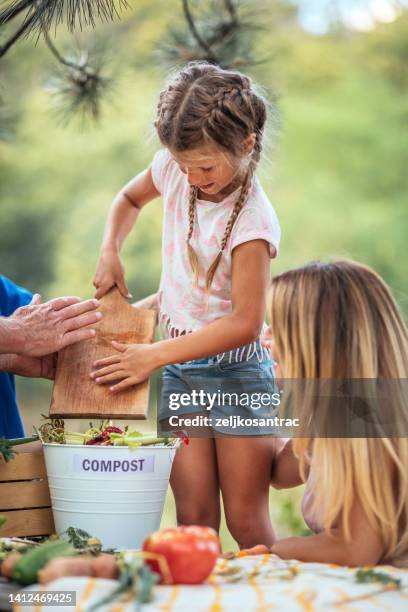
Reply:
x=219, y=234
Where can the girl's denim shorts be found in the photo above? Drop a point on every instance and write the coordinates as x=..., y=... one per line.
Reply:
x=221, y=391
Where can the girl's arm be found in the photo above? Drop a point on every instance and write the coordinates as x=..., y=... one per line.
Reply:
x=150, y=302
x=285, y=467
x=250, y=278
x=364, y=548
x=123, y=214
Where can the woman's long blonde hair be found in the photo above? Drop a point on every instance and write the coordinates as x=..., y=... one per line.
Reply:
x=339, y=321
x=206, y=105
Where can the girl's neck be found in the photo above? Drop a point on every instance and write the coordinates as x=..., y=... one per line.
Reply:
x=221, y=195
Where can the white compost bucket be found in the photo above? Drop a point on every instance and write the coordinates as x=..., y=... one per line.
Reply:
x=113, y=492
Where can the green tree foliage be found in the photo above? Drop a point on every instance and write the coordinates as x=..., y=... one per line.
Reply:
x=337, y=176
x=341, y=179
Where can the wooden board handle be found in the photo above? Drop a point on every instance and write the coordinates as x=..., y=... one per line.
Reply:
x=75, y=395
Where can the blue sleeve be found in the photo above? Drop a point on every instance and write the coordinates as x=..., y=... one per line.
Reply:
x=12, y=297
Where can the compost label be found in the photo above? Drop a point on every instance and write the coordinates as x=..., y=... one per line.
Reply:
x=113, y=465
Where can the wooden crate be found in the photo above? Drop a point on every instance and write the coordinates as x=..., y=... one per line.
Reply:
x=24, y=494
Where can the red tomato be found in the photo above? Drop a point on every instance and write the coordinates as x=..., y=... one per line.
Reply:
x=191, y=552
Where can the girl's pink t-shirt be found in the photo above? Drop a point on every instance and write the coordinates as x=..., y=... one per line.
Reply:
x=183, y=307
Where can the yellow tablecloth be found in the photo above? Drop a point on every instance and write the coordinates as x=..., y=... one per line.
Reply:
x=256, y=583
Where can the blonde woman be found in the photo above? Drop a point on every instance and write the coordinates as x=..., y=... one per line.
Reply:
x=339, y=321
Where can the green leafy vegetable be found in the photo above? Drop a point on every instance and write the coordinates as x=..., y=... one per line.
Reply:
x=7, y=446
x=135, y=577
x=82, y=540
x=370, y=575
x=26, y=569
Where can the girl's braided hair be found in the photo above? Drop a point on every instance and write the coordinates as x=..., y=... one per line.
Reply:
x=204, y=104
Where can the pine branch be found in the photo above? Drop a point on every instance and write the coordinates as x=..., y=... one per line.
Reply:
x=62, y=60
x=79, y=87
x=232, y=10
x=42, y=14
x=15, y=9
x=195, y=33
x=22, y=30
x=216, y=33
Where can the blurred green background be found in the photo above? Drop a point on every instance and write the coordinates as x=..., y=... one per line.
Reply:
x=336, y=172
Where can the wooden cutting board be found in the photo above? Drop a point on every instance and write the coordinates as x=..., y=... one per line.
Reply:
x=75, y=395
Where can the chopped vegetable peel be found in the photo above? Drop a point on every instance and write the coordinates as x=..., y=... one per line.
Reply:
x=53, y=431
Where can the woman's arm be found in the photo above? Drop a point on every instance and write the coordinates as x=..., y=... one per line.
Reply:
x=122, y=217
x=364, y=548
x=285, y=467
x=250, y=278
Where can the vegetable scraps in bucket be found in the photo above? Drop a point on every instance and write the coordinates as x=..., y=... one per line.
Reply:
x=53, y=431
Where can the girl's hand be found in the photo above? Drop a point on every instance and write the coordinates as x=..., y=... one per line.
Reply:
x=259, y=549
x=110, y=272
x=266, y=338
x=132, y=364
x=268, y=342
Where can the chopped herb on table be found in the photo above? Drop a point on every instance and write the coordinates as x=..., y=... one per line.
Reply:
x=12, y=545
x=82, y=540
x=370, y=575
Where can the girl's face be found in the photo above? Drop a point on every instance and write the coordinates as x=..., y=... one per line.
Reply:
x=211, y=170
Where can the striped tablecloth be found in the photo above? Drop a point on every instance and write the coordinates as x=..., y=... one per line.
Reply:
x=257, y=583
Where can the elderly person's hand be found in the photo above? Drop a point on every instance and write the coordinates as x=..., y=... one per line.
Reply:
x=33, y=367
x=42, y=329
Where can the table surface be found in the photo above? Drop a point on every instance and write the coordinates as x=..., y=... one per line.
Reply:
x=6, y=589
x=254, y=583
